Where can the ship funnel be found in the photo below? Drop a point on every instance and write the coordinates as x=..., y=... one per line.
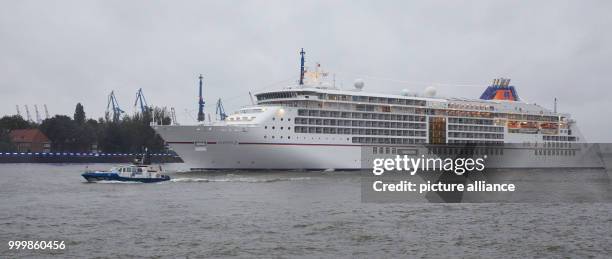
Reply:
x=500, y=89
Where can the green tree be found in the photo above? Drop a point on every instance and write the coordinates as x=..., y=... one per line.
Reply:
x=62, y=131
x=5, y=142
x=111, y=139
x=14, y=122
x=162, y=116
x=79, y=114
x=8, y=123
x=128, y=134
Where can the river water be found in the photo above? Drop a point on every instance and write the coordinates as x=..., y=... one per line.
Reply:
x=276, y=214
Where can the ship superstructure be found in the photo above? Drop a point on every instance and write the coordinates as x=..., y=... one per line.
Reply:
x=314, y=125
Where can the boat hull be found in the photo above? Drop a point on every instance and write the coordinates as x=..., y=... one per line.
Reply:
x=96, y=177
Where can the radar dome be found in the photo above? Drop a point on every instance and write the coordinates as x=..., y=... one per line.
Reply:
x=430, y=91
x=359, y=84
x=405, y=92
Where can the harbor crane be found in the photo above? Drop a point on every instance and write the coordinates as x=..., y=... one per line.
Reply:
x=140, y=98
x=114, y=105
x=37, y=113
x=28, y=113
x=46, y=111
x=220, y=110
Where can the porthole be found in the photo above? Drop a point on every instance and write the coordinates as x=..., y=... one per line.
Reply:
x=265, y=127
x=272, y=136
x=281, y=127
x=265, y=136
x=273, y=118
x=289, y=119
x=288, y=128
x=281, y=137
x=288, y=137
x=281, y=119
x=273, y=127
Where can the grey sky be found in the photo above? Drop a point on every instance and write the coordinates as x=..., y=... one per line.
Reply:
x=63, y=52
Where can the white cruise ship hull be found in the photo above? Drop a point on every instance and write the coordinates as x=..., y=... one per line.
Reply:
x=243, y=147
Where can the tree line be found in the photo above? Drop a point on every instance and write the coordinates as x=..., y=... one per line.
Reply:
x=128, y=134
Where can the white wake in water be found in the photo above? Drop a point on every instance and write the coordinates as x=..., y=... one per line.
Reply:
x=117, y=182
x=239, y=179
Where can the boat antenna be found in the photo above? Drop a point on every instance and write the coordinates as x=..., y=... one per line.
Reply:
x=302, y=67
x=555, y=104
x=334, y=80
x=201, y=102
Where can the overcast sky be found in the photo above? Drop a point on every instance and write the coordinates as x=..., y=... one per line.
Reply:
x=63, y=52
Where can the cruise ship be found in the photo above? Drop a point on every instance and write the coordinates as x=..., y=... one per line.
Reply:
x=315, y=125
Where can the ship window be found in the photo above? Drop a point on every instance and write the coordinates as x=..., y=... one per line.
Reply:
x=281, y=119
x=288, y=128
x=374, y=150
x=273, y=127
x=265, y=127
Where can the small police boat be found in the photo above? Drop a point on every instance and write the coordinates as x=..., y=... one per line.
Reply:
x=140, y=171
x=130, y=173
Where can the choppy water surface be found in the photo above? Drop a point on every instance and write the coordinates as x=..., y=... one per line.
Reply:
x=286, y=214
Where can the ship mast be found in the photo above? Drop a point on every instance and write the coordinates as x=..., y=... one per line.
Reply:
x=302, y=67
x=201, y=103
